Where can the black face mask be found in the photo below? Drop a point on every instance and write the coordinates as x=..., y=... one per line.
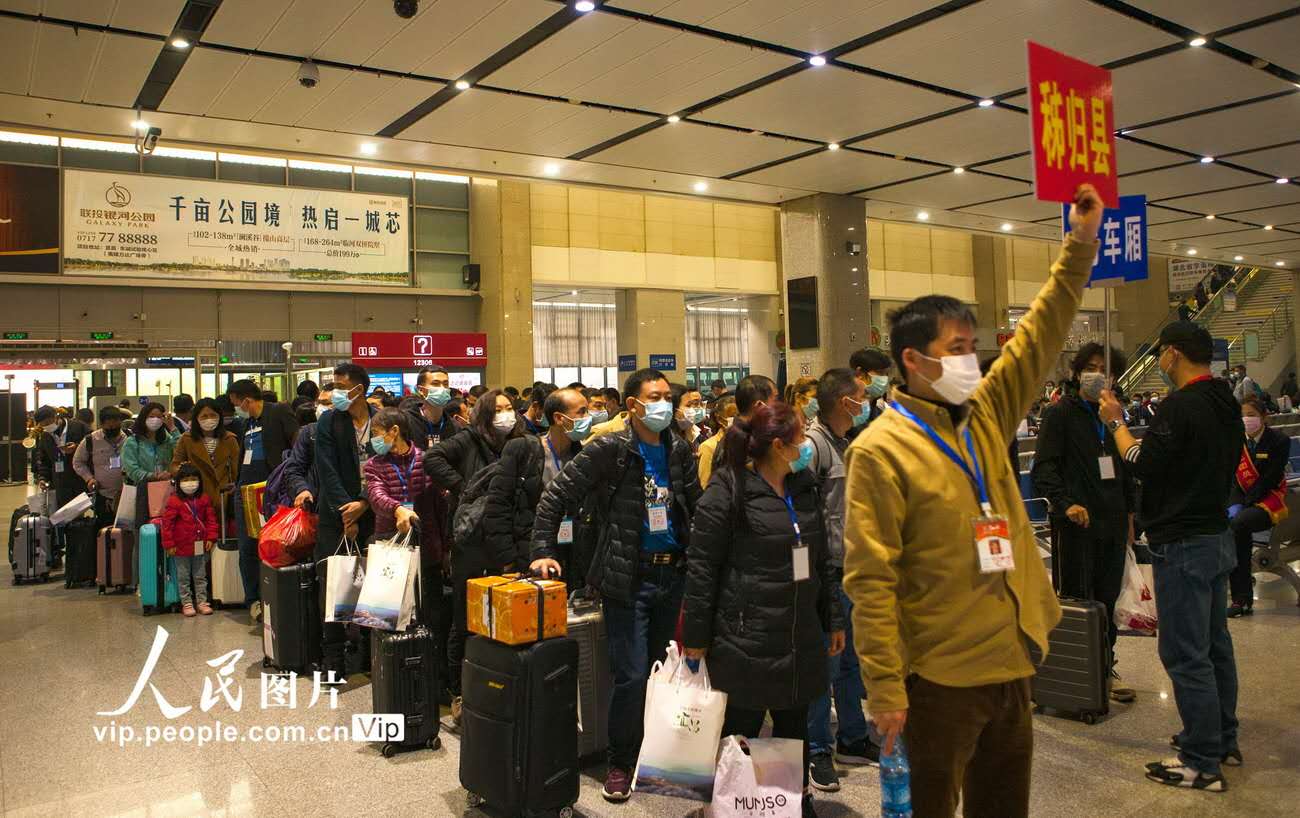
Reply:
x=112, y=432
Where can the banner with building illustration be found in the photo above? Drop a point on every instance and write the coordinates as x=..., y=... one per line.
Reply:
x=133, y=225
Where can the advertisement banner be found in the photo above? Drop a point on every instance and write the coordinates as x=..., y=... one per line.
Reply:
x=412, y=350
x=1071, y=111
x=133, y=225
x=29, y=219
x=1185, y=275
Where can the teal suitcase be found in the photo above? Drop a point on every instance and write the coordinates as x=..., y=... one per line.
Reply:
x=159, y=591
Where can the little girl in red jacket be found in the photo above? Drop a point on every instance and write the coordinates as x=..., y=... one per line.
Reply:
x=189, y=530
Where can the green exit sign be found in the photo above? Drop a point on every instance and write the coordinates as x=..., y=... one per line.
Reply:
x=101, y=336
x=15, y=336
x=324, y=336
x=225, y=359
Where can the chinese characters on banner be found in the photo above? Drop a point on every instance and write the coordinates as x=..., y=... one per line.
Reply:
x=1072, y=111
x=128, y=224
x=1123, y=236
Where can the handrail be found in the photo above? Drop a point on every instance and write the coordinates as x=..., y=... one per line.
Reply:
x=1270, y=319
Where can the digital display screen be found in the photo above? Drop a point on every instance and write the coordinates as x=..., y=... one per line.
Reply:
x=801, y=307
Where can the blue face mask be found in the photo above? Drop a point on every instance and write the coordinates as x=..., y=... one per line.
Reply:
x=695, y=414
x=811, y=408
x=339, y=398
x=379, y=445
x=878, y=386
x=805, y=456
x=438, y=395
x=581, y=428
x=864, y=412
x=658, y=415
x=599, y=416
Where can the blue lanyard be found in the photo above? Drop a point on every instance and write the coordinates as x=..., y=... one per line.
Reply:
x=559, y=467
x=192, y=505
x=1101, y=427
x=404, y=479
x=976, y=476
x=794, y=521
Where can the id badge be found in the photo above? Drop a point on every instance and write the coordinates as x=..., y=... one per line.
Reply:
x=58, y=466
x=800, y=559
x=199, y=548
x=658, y=514
x=248, y=457
x=409, y=506
x=434, y=440
x=565, y=536
x=115, y=461
x=993, y=543
x=1107, y=465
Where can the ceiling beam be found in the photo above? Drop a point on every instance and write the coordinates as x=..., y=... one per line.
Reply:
x=190, y=25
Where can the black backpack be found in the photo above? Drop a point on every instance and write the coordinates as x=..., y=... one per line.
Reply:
x=467, y=522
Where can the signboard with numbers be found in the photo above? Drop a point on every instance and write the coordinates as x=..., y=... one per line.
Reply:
x=410, y=350
x=1071, y=108
x=1123, y=253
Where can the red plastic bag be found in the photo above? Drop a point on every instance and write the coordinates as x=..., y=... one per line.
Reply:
x=287, y=538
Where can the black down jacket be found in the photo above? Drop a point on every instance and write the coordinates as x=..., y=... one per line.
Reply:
x=611, y=471
x=764, y=632
x=451, y=463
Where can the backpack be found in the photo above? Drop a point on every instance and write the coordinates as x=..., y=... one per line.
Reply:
x=467, y=522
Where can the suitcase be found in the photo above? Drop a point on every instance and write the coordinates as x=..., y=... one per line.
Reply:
x=291, y=618
x=113, y=558
x=519, y=726
x=33, y=548
x=404, y=681
x=595, y=683
x=1073, y=679
x=225, y=582
x=19, y=513
x=79, y=561
x=158, y=589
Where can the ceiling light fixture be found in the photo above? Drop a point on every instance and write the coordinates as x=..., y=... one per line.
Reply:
x=700, y=187
x=1268, y=227
x=833, y=146
x=817, y=61
x=1205, y=160
x=959, y=169
x=551, y=169
x=462, y=85
x=180, y=42
x=584, y=6
x=1209, y=217
x=1283, y=181
x=1238, y=258
x=369, y=148
x=1279, y=264
x=986, y=103
x=1191, y=252
x=923, y=215
x=1007, y=227
x=673, y=119
x=1196, y=42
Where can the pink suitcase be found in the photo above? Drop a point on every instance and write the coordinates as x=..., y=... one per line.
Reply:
x=113, y=563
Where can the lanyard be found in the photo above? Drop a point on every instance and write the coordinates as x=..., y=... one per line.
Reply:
x=794, y=521
x=1096, y=416
x=405, y=479
x=976, y=476
x=559, y=467
x=192, y=506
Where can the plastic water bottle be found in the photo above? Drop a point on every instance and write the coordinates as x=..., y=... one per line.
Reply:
x=895, y=783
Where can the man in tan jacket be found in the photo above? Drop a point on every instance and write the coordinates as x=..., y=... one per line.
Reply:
x=940, y=561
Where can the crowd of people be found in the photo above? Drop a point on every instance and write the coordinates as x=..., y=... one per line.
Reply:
x=839, y=544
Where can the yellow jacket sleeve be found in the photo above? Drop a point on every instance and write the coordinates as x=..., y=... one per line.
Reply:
x=705, y=456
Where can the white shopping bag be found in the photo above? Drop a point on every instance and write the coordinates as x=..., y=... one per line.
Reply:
x=36, y=503
x=683, y=722
x=765, y=783
x=1135, y=610
x=73, y=509
x=344, y=576
x=126, y=507
x=387, y=597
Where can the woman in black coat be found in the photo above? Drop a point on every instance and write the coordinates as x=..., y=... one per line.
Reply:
x=759, y=583
x=1257, y=499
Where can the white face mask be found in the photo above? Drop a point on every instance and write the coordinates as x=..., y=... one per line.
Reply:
x=504, y=421
x=153, y=424
x=960, y=378
x=189, y=486
x=208, y=424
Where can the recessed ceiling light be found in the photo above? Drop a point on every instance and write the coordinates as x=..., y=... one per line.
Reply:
x=986, y=103
x=673, y=119
x=180, y=42
x=817, y=60
x=1279, y=264
x=853, y=269
x=923, y=215
x=573, y=292
x=1283, y=181
x=551, y=169
x=832, y=146
x=1205, y=160
x=140, y=125
x=369, y=148
x=462, y=85
x=1196, y=42
x=1238, y=258
x=959, y=169
x=584, y=6
x=1209, y=216
x=1191, y=252
x=700, y=187
x=1268, y=227
x=1007, y=227
x=851, y=229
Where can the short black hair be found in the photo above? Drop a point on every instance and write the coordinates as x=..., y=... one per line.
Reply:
x=557, y=401
x=225, y=406
x=308, y=389
x=328, y=386
x=378, y=390
x=718, y=385
x=109, y=413
x=86, y=415
x=511, y=392
x=612, y=396
x=245, y=388
x=870, y=359
x=632, y=386
x=478, y=390
x=915, y=324
x=182, y=403
x=387, y=418
x=355, y=373
x=751, y=390
x=429, y=370
x=540, y=393
x=833, y=385
x=269, y=396
x=1092, y=349
x=44, y=413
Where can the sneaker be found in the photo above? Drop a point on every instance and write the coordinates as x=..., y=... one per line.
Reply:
x=205, y=609
x=254, y=612
x=809, y=811
x=1232, y=758
x=860, y=753
x=618, y=785
x=821, y=773
x=1123, y=695
x=187, y=609
x=1173, y=773
x=1235, y=610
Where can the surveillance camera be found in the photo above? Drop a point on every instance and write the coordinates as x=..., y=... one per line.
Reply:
x=147, y=141
x=308, y=74
x=406, y=9
x=286, y=346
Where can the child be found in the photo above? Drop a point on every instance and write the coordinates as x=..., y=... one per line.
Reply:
x=189, y=530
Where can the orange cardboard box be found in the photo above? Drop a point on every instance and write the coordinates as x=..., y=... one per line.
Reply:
x=505, y=608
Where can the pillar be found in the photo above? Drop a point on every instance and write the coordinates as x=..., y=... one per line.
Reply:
x=816, y=233
x=500, y=243
x=990, y=257
x=652, y=324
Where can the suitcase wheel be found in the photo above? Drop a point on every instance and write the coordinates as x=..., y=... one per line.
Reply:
x=389, y=750
x=45, y=577
x=266, y=662
x=1088, y=718
x=434, y=743
x=566, y=812
x=473, y=799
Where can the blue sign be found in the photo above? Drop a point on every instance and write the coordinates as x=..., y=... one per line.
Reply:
x=1123, y=234
x=391, y=381
x=627, y=363
x=664, y=362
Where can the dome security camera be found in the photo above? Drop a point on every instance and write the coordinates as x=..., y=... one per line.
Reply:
x=308, y=74
x=406, y=9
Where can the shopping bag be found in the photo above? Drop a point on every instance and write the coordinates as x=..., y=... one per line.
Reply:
x=36, y=503
x=159, y=491
x=287, y=538
x=73, y=509
x=387, y=597
x=344, y=576
x=765, y=782
x=1135, y=610
x=683, y=722
x=126, y=507
x=251, y=496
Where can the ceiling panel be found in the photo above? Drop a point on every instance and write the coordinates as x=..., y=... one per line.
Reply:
x=698, y=149
x=201, y=81
x=981, y=49
x=1262, y=195
x=836, y=172
x=456, y=35
x=366, y=31
x=1284, y=214
x=1289, y=245
x=1238, y=238
x=1162, y=215
x=960, y=139
x=309, y=23
x=1237, y=129
x=829, y=104
x=1184, y=179
x=1188, y=80
x=385, y=108
x=63, y=60
x=334, y=107
x=948, y=190
x=1283, y=161
x=124, y=64
x=155, y=16
x=1206, y=16
x=292, y=102
x=257, y=80
x=17, y=49
x=88, y=11
x=1275, y=42
x=1191, y=229
x=503, y=122
x=244, y=22
x=637, y=65
x=23, y=6
x=1133, y=157
x=1021, y=208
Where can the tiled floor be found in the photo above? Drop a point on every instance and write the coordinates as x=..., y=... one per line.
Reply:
x=67, y=654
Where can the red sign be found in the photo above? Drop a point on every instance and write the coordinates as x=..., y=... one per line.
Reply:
x=411, y=350
x=1003, y=337
x=1072, y=110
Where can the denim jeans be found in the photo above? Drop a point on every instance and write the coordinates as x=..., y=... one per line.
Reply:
x=638, y=634
x=1191, y=578
x=192, y=568
x=846, y=684
x=250, y=565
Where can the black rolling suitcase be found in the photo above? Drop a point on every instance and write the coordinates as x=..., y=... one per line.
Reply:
x=1073, y=679
x=595, y=683
x=404, y=681
x=291, y=617
x=519, y=726
x=79, y=561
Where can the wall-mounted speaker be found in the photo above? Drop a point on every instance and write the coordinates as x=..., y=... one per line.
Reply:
x=470, y=276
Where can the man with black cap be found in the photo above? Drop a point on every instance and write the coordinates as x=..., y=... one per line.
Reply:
x=1186, y=463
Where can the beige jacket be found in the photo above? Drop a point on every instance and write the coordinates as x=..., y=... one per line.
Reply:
x=921, y=604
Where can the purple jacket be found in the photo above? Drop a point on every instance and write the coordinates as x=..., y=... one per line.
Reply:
x=384, y=488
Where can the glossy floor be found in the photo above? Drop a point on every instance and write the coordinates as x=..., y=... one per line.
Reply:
x=66, y=655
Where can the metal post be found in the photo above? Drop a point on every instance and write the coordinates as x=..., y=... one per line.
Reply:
x=1106, y=353
x=198, y=374
x=289, y=385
